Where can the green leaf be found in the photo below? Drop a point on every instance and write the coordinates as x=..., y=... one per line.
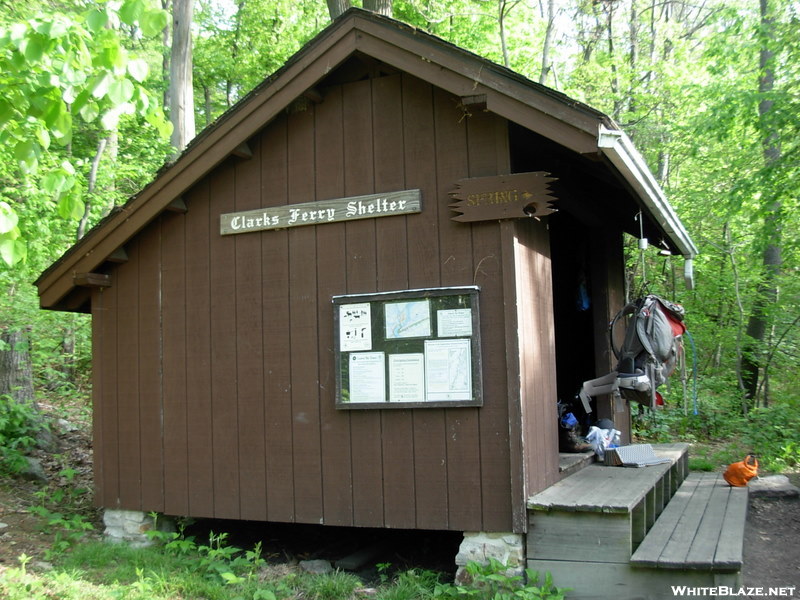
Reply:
x=59, y=27
x=6, y=111
x=71, y=207
x=54, y=28
x=25, y=150
x=157, y=119
x=153, y=22
x=8, y=218
x=51, y=109
x=12, y=251
x=120, y=91
x=99, y=85
x=57, y=183
x=67, y=167
x=43, y=136
x=142, y=100
x=111, y=57
x=110, y=119
x=52, y=182
x=80, y=101
x=131, y=11
x=96, y=20
x=90, y=111
x=17, y=33
x=32, y=48
x=62, y=128
x=70, y=75
x=137, y=68
x=17, y=61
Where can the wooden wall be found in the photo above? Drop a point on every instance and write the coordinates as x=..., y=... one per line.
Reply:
x=214, y=370
x=538, y=393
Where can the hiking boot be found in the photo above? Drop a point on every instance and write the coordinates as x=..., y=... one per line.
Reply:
x=569, y=441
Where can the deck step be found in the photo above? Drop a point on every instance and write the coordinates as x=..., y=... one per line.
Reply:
x=602, y=513
x=701, y=528
x=616, y=532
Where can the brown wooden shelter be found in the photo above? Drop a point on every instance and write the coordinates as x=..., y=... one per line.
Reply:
x=214, y=355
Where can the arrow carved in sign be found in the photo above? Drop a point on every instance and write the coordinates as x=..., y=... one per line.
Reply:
x=503, y=197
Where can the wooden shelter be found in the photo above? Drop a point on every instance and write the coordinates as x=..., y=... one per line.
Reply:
x=224, y=381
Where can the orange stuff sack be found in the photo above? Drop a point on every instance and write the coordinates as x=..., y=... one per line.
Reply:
x=739, y=473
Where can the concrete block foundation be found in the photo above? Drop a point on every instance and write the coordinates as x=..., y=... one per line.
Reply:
x=481, y=547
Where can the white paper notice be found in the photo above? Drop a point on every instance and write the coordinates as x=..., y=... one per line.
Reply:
x=448, y=370
x=455, y=322
x=367, y=377
x=355, y=327
x=406, y=378
x=407, y=319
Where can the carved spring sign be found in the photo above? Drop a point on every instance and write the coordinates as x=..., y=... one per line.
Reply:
x=503, y=197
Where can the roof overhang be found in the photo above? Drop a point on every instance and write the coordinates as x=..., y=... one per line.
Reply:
x=619, y=149
x=566, y=121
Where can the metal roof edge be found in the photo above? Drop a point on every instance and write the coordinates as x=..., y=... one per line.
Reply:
x=619, y=149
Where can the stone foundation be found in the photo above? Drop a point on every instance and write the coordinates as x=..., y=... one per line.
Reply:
x=131, y=526
x=480, y=547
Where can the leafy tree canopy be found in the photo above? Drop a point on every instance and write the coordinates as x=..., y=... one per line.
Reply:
x=58, y=69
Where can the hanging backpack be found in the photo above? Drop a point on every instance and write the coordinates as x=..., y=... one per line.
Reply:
x=648, y=354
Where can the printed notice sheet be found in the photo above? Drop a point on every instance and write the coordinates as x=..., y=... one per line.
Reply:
x=367, y=377
x=355, y=327
x=406, y=378
x=456, y=322
x=448, y=372
x=408, y=319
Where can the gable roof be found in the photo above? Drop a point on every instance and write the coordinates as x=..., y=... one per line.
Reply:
x=552, y=114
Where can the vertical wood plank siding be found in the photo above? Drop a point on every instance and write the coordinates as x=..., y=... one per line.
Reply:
x=175, y=385
x=537, y=358
x=215, y=381
x=199, y=431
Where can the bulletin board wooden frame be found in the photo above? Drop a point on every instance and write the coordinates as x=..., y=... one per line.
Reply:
x=408, y=349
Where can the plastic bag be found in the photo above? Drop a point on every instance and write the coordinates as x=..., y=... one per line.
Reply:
x=739, y=473
x=601, y=439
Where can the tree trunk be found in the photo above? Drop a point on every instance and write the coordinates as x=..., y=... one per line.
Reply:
x=503, y=8
x=767, y=294
x=165, y=57
x=547, y=63
x=337, y=7
x=503, y=45
x=181, y=94
x=207, y=104
x=615, y=114
x=92, y=185
x=16, y=371
x=383, y=7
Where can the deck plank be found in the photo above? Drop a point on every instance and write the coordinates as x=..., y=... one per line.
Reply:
x=679, y=544
x=706, y=540
x=653, y=545
x=598, y=488
x=701, y=528
x=731, y=540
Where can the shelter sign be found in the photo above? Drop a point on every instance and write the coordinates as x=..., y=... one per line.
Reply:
x=408, y=349
x=325, y=211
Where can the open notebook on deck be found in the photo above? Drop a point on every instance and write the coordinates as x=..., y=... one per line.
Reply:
x=635, y=455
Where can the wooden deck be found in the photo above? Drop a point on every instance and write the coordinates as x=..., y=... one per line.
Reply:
x=599, y=506
x=631, y=533
x=698, y=528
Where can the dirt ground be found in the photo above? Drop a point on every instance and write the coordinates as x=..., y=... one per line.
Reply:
x=772, y=536
x=772, y=542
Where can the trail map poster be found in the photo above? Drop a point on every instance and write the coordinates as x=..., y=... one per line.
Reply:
x=408, y=349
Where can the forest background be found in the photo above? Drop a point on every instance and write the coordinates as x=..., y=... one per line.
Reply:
x=709, y=91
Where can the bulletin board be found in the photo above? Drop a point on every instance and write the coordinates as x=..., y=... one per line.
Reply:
x=408, y=349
